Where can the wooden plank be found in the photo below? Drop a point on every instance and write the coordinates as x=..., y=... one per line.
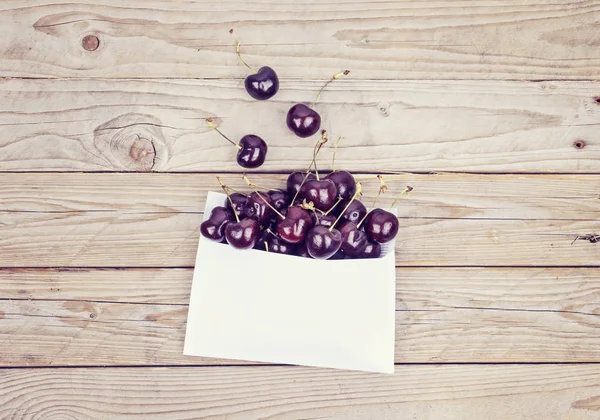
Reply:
x=109, y=239
x=406, y=39
x=465, y=196
x=100, y=317
x=519, y=289
x=513, y=392
x=158, y=125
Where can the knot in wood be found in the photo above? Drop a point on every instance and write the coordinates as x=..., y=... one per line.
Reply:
x=579, y=144
x=130, y=142
x=90, y=42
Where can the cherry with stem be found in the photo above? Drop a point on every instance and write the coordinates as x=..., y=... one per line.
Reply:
x=252, y=150
x=382, y=189
x=316, y=151
x=227, y=189
x=303, y=120
x=262, y=84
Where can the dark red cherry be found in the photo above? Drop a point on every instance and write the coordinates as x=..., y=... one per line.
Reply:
x=280, y=199
x=381, y=226
x=263, y=84
x=372, y=250
x=279, y=246
x=322, y=193
x=303, y=121
x=295, y=226
x=354, y=241
x=321, y=243
x=253, y=151
x=355, y=211
x=240, y=204
x=214, y=227
x=242, y=234
x=257, y=208
x=344, y=182
x=295, y=180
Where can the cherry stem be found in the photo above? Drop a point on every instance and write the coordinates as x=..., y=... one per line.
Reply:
x=335, y=77
x=316, y=151
x=272, y=233
x=212, y=125
x=358, y=191
x=226, y=189
x=382, y=189
x=254, y=186
x=266, y=246
x=335, y=146
x=404, y=191
x=334, y=206
x=239, y=54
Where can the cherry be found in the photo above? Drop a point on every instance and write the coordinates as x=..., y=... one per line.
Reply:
x=214, y=227
x=279, y=246
x=252, y=150
x=303, y=121
x=263, y=84
x=354, y=241
x=296, y=179
x=372, y=250
x=295, y=226
x=354, y=211
x=381, y=226
x=242, y=234
x=259, y=207
x=322, y=243
x=252, y=153
x=344, y=182
x=240, y=204
x=322, y=193
x=280, y=199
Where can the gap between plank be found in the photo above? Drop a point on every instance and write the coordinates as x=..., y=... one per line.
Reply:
x=254, y=365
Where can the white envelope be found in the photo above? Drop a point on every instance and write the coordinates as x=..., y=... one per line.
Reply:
x=258, y=306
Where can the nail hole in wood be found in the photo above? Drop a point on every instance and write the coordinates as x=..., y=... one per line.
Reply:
x=579, y=144
x=90, y=42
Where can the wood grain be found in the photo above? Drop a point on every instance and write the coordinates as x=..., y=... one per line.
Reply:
x=406, y=39
x=137, y=317
x=414, y=392
x=453, y=196
x=108, y=239
x=482, y=126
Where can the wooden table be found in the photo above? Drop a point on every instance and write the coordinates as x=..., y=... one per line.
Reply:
x=490, y=110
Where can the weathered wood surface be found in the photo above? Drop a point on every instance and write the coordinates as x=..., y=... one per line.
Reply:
x=451, y=196
x=106, y=239
x=159, y=125
x=544, y=39
x=137, y=317
x=512, y=392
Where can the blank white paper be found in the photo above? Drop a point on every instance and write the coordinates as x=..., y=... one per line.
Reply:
x=258, y=306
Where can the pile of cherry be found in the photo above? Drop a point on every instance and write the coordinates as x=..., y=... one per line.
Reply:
x=312, y=217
